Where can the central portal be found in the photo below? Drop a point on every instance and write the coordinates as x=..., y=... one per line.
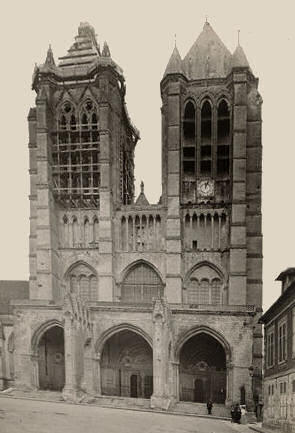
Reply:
x=202, y=373
x=127, y=366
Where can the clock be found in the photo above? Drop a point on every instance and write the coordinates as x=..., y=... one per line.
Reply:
x=205, y=188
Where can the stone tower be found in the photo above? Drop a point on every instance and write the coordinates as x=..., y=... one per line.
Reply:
x=82, y=159
x=131, y=299
x=211, y=173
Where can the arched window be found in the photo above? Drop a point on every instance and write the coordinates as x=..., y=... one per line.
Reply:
x=95, y=230
x=216, y=291
x=204, y=294
x=83, y=282
x=87, y=239
x=223, y=138
x=204, y=286
x=141, y=284
x=65, y=231
x=189, y=139
x=75, y=228
x=206, y=140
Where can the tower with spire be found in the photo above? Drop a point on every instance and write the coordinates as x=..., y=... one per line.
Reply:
x=211, y=177
x=132, y=299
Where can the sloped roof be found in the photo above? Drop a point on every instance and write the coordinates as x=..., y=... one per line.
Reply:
x=141, y=199
x=175, y=63
x=285, y=273
x=10, y=290
x=239, y=59
x=286, y=298
x=208, y=57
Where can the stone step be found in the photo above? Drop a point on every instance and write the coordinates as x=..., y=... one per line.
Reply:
x=128, y=402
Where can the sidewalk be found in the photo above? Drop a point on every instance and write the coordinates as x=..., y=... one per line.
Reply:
x=260, y=429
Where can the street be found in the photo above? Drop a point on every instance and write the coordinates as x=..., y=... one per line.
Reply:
x=28, y=416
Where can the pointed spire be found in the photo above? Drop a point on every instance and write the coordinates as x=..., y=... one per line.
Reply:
x=106, y=51
x=49, y=57
x=239, y=59
x=141, y=199
x=208, y=57
x=175, y=63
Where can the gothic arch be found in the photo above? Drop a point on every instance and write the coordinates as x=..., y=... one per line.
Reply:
x=76, y=264
x=117, y=328
x=138, y=262
x=206, y=95
x=202, y=329
x=39, y=332
x=187, y=101
x=223, y=94
x=200, y=264
x=223, y=97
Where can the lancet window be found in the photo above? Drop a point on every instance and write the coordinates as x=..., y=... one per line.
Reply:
x=206, y=145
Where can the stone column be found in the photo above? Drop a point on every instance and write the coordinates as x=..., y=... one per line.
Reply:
x=90, y=380
x=229, y=384
x=160, y=398
x=97, y=370
x=70, y=388
x=35, y=370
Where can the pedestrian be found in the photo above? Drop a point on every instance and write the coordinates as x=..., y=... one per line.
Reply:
x=236, y=413
x=209, y=407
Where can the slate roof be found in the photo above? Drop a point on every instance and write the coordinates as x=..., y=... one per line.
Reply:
x=175, y=63
x=207, y=58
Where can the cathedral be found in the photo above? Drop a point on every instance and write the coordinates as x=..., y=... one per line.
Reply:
x=157, y=302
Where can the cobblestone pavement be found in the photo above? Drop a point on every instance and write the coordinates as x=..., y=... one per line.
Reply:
x=28, y=416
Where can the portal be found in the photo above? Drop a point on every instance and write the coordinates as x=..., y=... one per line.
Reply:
x=202, y=373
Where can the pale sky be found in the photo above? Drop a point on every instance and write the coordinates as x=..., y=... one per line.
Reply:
x=141, y=38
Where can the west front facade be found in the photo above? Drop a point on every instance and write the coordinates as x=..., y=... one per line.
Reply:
x=279, y=368
x=130, y=299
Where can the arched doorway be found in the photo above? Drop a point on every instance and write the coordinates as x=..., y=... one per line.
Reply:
x=127, y=366
x=51, y=363
x=202, y=370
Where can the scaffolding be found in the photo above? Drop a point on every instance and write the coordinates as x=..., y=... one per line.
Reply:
x=75, y=158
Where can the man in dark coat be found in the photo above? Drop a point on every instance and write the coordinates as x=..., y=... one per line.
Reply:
x=209, y=407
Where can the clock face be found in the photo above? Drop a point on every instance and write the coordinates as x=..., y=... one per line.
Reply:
x=206, y=188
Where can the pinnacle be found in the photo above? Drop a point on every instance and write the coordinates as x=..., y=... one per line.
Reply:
x=175, y=63
x=49, y=57
x=106, y=51
x=239, y=58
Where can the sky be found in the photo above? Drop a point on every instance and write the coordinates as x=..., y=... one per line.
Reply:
x=141, y=37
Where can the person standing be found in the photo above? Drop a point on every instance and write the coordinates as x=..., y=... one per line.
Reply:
x=209, y=407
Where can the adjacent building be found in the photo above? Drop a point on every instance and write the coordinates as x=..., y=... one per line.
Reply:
x=127, y=298
x=279, y=370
